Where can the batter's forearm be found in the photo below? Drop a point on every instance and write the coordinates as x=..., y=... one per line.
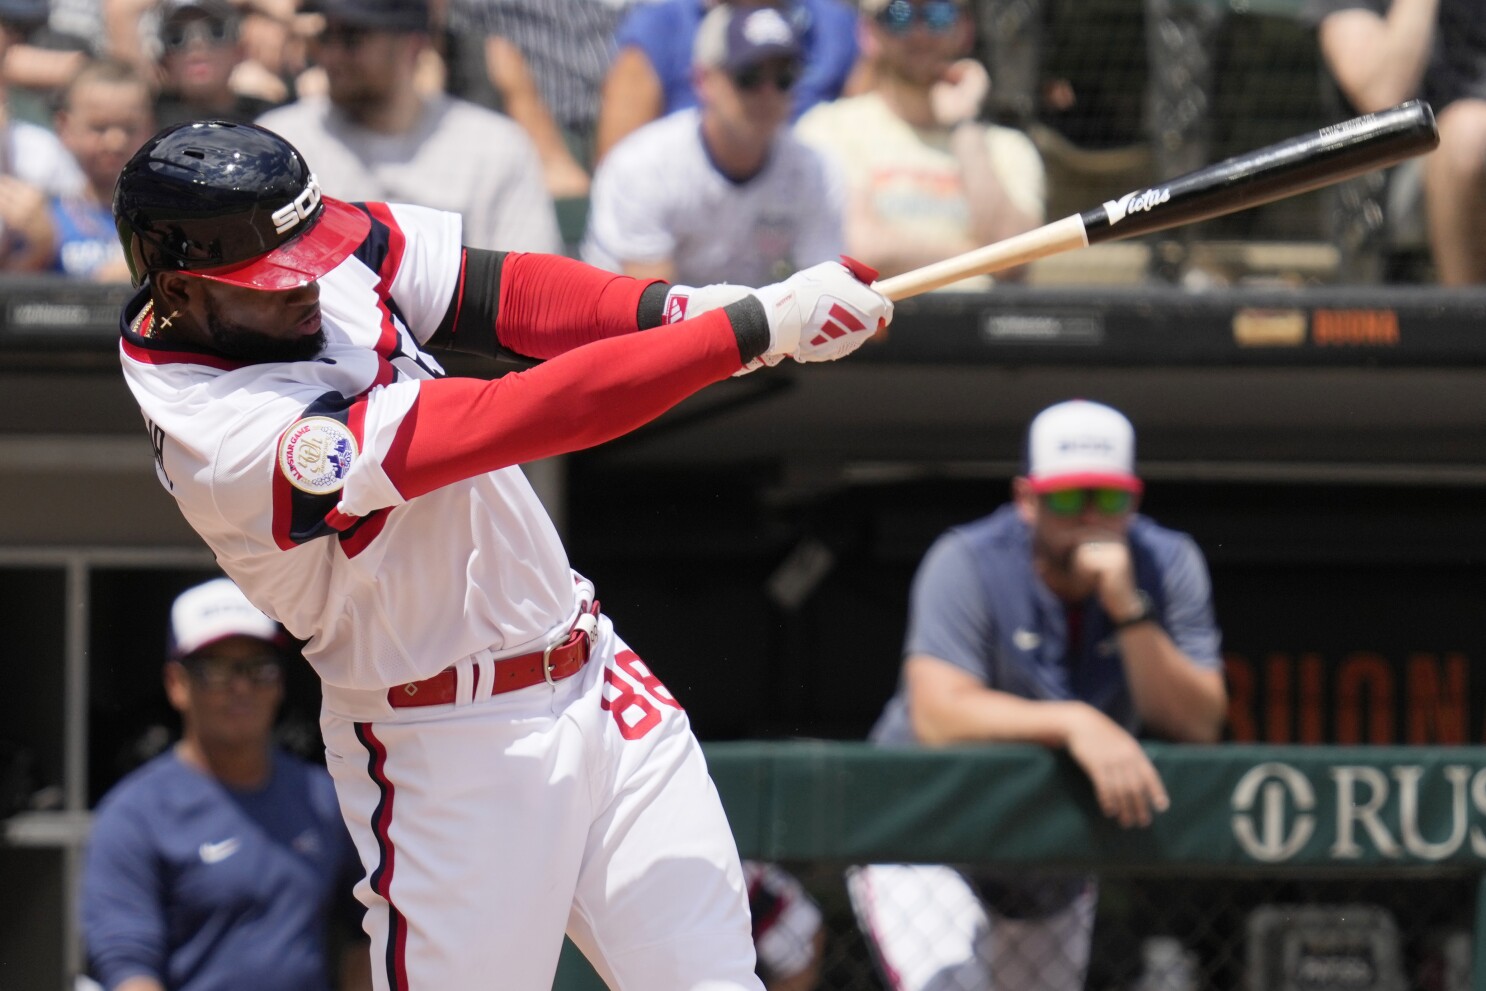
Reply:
x=459, y=428
x=539, y=306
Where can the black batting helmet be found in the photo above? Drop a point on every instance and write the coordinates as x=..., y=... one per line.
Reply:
x=231, y=202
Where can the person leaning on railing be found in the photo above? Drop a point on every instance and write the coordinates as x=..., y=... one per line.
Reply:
x=1064, y=618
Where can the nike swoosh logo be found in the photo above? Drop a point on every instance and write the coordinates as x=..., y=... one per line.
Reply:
x=212, y=853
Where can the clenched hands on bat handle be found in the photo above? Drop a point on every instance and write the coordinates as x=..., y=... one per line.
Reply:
x=820, y=313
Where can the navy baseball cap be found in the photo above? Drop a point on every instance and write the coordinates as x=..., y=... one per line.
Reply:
x=374, y=15
x=736, y=38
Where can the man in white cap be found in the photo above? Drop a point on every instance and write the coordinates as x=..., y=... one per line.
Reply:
x=1066, y=619
x=220, y=863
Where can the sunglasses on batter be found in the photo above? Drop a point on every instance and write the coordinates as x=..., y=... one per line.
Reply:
x=1073, y=502
x=753, y=78
x=939, y=16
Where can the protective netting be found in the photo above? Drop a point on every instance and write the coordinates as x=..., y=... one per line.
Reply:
x=1219, y=931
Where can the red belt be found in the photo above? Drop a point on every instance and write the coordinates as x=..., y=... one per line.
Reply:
x=552, y=665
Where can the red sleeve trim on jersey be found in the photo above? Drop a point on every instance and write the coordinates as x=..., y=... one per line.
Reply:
x=371, y=525
x=459, y=428
x=339, y=520
x=283, y=508
x=386, y=375
x=550, y=304
x=381, y=214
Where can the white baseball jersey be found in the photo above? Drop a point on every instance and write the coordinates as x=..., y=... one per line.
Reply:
x=375, y=509
x=294, y=516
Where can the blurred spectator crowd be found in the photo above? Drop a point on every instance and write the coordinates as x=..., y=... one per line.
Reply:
x=681, y=139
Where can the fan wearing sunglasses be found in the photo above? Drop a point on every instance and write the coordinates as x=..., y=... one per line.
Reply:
x=926, y=178
x=650, y=74
x=1064, y=618
x=200, y=50
x=721, y=193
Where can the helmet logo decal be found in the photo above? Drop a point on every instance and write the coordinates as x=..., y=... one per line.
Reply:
x=291, y=214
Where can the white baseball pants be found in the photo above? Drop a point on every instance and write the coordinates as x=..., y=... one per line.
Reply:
x=488, y=828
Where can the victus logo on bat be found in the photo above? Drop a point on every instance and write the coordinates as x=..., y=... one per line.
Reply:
x=1138, y=202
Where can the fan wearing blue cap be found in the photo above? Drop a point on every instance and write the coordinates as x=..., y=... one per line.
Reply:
x=723, y=192
x=650, y=74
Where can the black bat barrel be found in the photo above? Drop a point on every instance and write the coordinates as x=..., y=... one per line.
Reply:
x=1295, y=165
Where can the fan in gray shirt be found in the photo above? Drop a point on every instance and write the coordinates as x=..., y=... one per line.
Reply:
x=375, y=137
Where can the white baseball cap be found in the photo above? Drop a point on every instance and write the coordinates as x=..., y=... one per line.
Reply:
x=214, y=611
x=1080, y=444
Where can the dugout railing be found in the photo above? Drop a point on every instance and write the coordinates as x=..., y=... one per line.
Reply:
x=1274, y=868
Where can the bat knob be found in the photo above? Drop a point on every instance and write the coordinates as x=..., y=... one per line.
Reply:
x=865, y=273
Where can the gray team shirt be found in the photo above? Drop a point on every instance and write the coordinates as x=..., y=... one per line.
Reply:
x=977, y=603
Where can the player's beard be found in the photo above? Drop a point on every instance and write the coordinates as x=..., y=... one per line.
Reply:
x=236, y=341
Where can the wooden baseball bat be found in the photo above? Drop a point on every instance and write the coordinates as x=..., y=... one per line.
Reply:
x=1288, y=168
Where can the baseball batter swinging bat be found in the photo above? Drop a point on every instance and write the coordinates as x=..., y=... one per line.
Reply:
x=1293, y=166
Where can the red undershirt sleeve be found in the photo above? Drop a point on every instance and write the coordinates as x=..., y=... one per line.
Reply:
x=550, y=304
x=458, y=428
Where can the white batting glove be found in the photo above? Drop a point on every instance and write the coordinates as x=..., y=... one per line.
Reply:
x=685, y=302
x=824, y=312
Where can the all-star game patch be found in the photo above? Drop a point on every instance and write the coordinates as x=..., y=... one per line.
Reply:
x=316, y=453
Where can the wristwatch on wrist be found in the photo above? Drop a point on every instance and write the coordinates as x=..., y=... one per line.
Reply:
x=1145, y=614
